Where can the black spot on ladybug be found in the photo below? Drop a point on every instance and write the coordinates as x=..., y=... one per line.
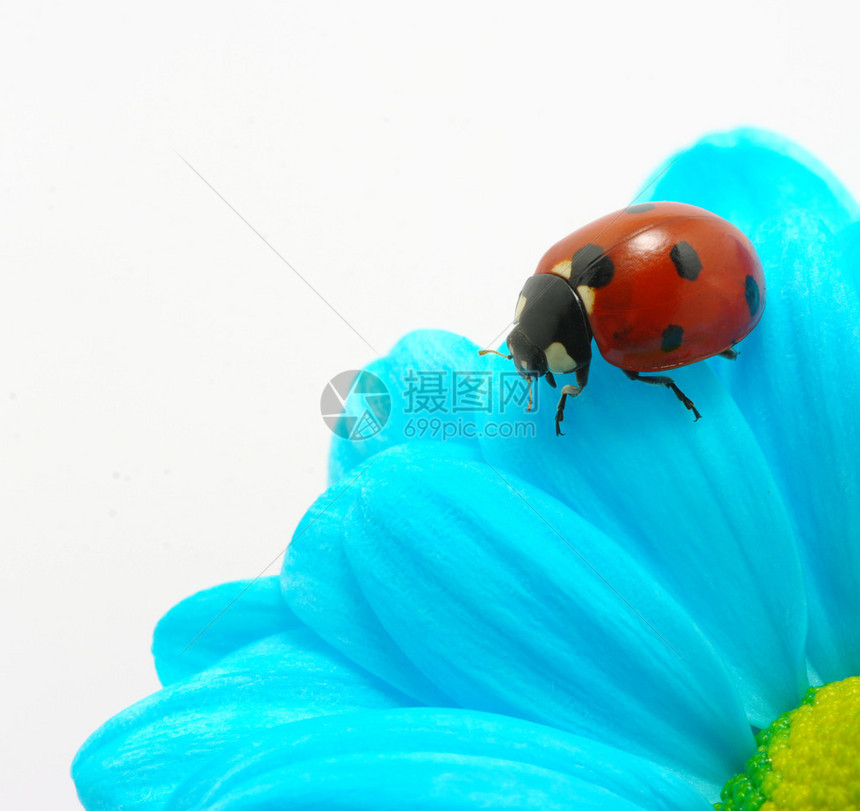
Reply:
x=591, y=267
x=686, y=260
x=673, y=335
x=639, y=208
x=752, y=295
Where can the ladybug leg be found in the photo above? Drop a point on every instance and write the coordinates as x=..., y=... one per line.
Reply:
x=567, y=391
x=570, y=391
x=729, y=354
x=662, y=380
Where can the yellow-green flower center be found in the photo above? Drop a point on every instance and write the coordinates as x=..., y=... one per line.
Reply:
x=808, y=759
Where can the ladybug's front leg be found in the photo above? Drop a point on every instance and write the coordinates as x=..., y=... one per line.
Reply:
x=570, y=391
x=662, y=380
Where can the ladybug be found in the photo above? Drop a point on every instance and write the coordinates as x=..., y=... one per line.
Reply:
x=656, y=285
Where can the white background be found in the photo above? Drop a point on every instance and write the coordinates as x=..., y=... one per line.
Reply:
x=161, y=367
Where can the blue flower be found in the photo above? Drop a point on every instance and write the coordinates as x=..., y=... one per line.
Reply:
x=467, y=619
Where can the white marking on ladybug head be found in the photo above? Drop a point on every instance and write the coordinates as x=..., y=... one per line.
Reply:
x=520, y=305
x=587, y=296
x=563, y=269
x=557, y=359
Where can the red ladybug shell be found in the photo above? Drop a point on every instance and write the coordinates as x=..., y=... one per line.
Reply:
x=664, y=284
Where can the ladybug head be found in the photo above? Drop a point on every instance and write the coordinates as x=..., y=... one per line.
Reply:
x=551, y=333
x=527, y=356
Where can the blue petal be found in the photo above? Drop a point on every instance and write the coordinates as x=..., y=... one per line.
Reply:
x=512, y=603
x=690, y=502
x=749, y=175
x=849, y=239
x=320, y=587
x=415, y=781
x=433, y=759
x=421, y=374
x=137, y=758
x=206, y=627
x=798, y=384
